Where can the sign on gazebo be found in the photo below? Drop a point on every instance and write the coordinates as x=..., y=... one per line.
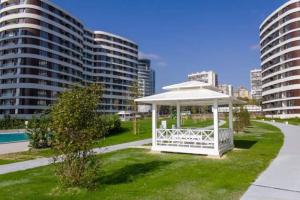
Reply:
x=214, y=141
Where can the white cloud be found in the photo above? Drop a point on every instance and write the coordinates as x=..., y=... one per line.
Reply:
x=156, y=59
x=161, y=64
x=151, y=56
x=255, y=47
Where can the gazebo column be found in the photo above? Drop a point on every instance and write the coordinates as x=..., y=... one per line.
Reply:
x=216, y=126
x=178, y=116
x=230, y=115
x=154, y=124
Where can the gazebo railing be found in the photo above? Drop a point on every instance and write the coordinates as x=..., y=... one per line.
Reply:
x=191, y=138
x=194, y=138
x=225, y=139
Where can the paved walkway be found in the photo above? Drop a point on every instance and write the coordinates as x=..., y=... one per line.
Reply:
x=281, y=180
x=13, y=147
x=18, y=166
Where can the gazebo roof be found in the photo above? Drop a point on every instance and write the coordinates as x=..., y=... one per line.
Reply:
x=189, y=93
x=187, y=85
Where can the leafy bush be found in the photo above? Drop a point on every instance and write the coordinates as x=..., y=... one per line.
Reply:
x=241, y=119
x=108, y=124
x=39, y=132
x=9, y=122
x=74, y=122
x=113, y=123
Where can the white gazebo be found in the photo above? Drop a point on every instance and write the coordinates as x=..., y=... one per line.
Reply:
x=214, y=141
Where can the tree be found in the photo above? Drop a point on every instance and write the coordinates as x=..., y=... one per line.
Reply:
x=134, y=90
x=75, y=127
x=241, y=119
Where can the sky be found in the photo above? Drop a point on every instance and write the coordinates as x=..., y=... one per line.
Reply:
x=184, y=36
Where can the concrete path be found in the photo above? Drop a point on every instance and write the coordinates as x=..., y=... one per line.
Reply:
x=221, y=123
x=18, y=166
x=13, y=147
x=281, y=180
x=12, y=131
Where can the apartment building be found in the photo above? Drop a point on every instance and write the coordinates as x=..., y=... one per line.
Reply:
x=146, y=78
x=256, y=83
x=45, y=50
x=242, y=92
x=280, y=61
x=225, y=88
x=209, y=77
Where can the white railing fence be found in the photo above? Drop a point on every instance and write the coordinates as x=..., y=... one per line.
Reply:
x=192, y=138
x=225, y=139
x=201, y=139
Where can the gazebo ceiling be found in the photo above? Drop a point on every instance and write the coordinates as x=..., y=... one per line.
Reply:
x=189, y=93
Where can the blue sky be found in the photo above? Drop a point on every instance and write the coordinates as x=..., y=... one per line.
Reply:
x=184, y=36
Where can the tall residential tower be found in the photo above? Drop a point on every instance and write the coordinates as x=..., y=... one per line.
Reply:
x=280, y=61
x=146, y=78
x=45, y=50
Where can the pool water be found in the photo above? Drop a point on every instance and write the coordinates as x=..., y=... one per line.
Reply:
x=13, y=137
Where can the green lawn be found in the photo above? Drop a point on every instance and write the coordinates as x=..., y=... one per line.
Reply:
x=293, y=121
x=122, y=136
x=136, y=174
x=27, y=155
x=144, y=130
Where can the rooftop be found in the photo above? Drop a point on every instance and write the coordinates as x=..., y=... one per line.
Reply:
x=189, y=93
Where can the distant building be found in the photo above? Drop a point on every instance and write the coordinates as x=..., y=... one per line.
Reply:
x=146, y=82
x=146, y=78
x=256, y=83
x=225, y=88
x=209, y=77
x=242, y=92
x=152, y=81
x=249, y=108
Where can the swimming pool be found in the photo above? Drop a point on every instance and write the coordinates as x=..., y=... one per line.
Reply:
x=13, y=137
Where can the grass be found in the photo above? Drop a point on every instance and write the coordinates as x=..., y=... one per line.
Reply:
x=293, y=121
x=26, y=155
x=135, y=174
x=122, y=136
x=144, y=130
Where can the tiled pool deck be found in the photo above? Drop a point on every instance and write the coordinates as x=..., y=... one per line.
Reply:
x=13, y=147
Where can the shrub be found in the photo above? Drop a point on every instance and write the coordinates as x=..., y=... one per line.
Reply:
x=108, y=124
x=241, y=119
x=9, y=122
x=75, y=124
x=236, y=122
x=245, y=117
x=39, y=132
x=113, y=123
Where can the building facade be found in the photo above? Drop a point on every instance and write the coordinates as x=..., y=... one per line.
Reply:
x=45, y=50
x=146, y=78
x=146, y=82
x=209, y=77
x=280, y=61
x=153, y=82
x=256, y=83
x=225, y=88
x=242, y=92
